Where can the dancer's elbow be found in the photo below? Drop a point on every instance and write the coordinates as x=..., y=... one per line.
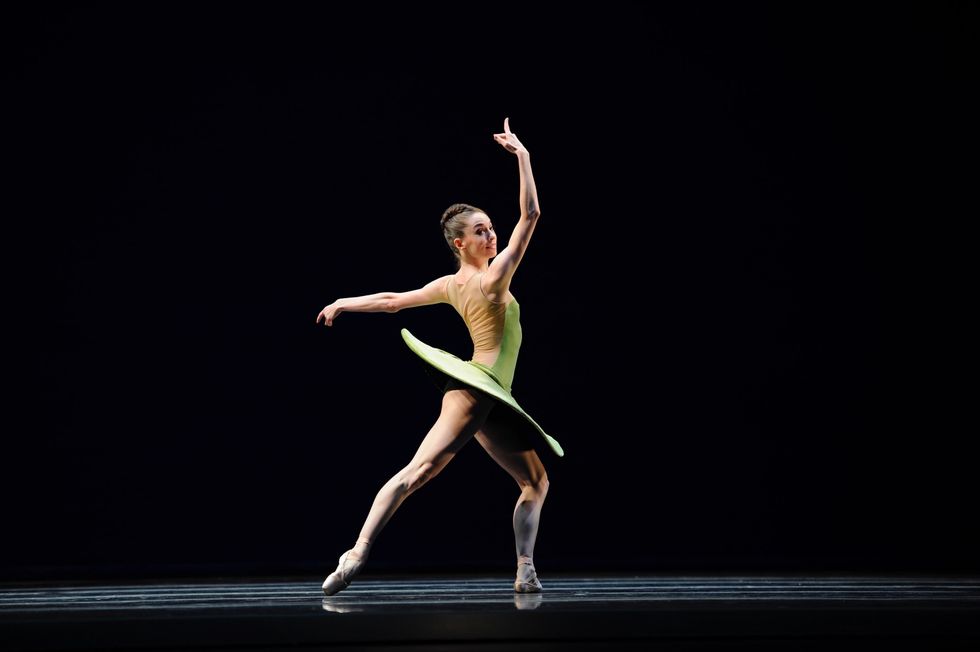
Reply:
x=391, y=303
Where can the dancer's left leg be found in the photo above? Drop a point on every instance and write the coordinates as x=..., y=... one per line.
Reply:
x=516, y=456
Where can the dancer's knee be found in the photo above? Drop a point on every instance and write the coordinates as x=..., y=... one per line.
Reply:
x=538, y=485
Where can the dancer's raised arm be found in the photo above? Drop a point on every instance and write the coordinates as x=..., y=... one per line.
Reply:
x=432, y=292
x=501, y=270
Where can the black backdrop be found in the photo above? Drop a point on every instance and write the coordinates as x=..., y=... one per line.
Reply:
x=732, y=312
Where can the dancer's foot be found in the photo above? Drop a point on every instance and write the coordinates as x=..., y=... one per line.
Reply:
x=527, y=577
x=349, y=565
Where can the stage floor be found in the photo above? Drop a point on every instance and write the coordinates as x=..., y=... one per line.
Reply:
x=574, y=612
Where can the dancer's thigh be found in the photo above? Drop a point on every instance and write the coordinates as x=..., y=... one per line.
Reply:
x=463, y=412
x=511, y=451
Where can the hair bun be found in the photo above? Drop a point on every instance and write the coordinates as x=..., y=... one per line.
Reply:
x=453, y=211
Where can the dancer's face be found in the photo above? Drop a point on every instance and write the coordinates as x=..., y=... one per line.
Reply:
x=479, y=239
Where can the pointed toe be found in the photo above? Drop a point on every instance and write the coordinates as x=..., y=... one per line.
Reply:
x=347, y=568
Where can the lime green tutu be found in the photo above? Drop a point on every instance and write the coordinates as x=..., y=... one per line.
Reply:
x=478, y=376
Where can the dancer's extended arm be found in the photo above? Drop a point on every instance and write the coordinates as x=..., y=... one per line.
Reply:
x=432, y=292
x=502, y=269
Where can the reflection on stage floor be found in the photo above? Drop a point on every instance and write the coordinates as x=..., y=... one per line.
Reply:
x=573, y=611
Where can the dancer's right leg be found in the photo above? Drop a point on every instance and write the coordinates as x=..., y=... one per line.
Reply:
x=463, y=413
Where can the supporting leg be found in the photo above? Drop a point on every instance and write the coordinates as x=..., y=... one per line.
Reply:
x=516, y=456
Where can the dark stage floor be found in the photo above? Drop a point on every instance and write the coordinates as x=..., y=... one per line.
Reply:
x=574, y=612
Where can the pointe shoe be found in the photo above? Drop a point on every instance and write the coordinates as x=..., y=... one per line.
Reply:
x=347, y=568
x=531, y=584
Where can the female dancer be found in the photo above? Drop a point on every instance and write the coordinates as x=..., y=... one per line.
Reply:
x=477, y=399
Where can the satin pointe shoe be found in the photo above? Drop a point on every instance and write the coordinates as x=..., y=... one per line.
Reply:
x=531, y=583
x=347, y=568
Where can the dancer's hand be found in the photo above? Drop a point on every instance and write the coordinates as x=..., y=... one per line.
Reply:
x=509, y=140
x=328, y=314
